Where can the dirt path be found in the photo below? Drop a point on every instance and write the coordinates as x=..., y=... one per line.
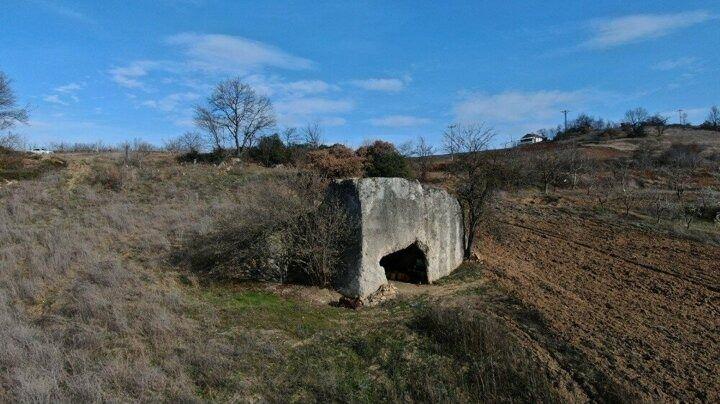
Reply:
x=642, y=307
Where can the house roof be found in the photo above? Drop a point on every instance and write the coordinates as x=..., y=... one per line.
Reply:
x=532, y=135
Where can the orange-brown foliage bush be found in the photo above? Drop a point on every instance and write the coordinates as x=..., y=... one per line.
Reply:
x=336, y=161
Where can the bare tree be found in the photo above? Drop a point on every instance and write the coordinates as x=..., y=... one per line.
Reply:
x=406, y=149
x=659, y=204
x=637, y=116
x=659, y=123
x=547, y=168
x=237, y=110
x=210, y=124
x=713, y=118
x=187, y=142
x=450, y=141
x=624, y=191
x=12, y=141
x=423, y=151
x=573, y=162
x=289, y=136
x=476, y=178
x=10, y=113
x=602, y=185
x=313, y=134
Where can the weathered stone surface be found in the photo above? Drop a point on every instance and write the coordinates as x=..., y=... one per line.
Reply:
x=389, y=215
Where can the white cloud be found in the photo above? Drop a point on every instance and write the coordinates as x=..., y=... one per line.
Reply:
x=62, y=10
x=672, y=64
x=385, y=84
x=64, y=93
x=70, y=88
x=396, y=121
x=171, y=102
x=215, y=52
x=312, y=106
x=309, y=86
x=634, y=28
x=129, y=76
x=333, y=121
x=54, y=99
x=295, y=111
x=516, y=106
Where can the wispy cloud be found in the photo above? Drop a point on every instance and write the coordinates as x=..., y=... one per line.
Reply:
x=516, y=106
x=129, y=76
x=635, y=28
x=70, y=88
x=313, y=105
x=62, y=95
x=62, y=10
x=172, y=102
x=380, y=84
x=216, y=52
x=54, y=99
x=397, y=121
x=674, y=64
x=309, y=86
x=294, y=111
x=207, y=58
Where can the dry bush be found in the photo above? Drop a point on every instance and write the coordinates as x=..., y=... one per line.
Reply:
x=24, y=166
x=281, y=232
x=336, y=161
x=316, y=244
x=110, y=177
x=492, y=364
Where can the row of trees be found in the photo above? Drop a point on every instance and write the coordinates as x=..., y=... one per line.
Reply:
x=637, y=122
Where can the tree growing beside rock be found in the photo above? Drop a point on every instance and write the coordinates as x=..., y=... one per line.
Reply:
x=474, y=175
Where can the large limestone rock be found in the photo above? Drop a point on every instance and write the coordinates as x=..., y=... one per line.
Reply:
x=403, y=229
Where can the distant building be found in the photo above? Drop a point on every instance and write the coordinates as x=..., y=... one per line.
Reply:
x=531, y=138
x=40, y=151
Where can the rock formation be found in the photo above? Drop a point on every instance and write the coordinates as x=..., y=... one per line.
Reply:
x=404, y=231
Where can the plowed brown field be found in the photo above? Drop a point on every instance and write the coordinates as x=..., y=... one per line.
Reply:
x=641, y=307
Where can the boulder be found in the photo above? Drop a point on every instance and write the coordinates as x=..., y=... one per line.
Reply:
x=404, y=231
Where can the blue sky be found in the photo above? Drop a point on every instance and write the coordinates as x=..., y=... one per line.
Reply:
x=113, y=70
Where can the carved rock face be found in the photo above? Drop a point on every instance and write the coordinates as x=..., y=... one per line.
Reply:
x=404, y=231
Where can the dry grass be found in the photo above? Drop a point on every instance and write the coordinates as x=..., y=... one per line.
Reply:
x=88, y=309
x=94, y=306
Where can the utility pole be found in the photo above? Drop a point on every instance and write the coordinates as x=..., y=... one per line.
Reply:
x=565, y=112
x=680, y=117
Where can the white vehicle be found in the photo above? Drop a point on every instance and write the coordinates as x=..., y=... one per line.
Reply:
x=41, y=151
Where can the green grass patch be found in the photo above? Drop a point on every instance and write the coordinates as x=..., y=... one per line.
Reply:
x=264, y=310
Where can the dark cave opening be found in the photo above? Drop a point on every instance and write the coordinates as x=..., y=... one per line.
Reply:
x=406, y=265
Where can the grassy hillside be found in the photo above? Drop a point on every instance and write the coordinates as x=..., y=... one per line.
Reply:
x=575, y=297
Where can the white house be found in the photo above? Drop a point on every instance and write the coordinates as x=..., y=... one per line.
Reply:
x=531, y=138
x=40, y=151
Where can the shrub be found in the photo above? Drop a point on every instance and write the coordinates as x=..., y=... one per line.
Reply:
x=23, y=166
x=197, y=157
x=316, y=242
x=109, y=177
x=270, y=151
x=300, y=240
x=336, y=161
x=383, y=160
x=682, y=155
